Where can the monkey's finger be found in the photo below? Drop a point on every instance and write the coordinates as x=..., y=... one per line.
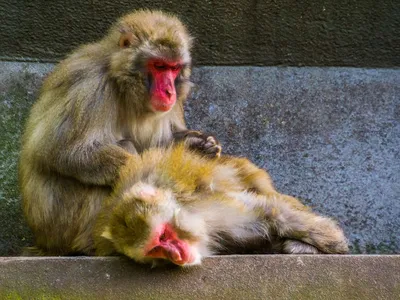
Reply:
x=212, y=140
x=210, y=143
x=214, y=151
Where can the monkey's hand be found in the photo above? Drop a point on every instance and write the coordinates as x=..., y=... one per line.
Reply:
x=206, y=144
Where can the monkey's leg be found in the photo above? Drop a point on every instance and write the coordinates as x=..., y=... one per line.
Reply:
x=61, y=212
x=303, y=226
x=258, y=180
x=207, y=144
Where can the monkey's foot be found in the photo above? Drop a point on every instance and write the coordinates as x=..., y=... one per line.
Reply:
x=326, y=235
x=302, y=227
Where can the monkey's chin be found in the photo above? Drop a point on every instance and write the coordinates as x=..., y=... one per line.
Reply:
x=159, y=106
x=195, y=258
x=195, y=262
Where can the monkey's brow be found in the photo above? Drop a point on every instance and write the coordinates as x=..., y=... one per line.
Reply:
x=167, y=42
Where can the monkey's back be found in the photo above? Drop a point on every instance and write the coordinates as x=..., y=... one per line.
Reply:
x=183, y=171
x=54, y=202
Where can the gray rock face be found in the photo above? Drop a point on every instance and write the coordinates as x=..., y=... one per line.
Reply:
x=330, y=136
x=19, y=84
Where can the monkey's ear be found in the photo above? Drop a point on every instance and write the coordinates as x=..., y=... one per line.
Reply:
x=126, y=39
x=107, y=233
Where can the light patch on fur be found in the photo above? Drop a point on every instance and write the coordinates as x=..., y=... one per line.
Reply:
x=248, y=200
x=152, y=132
x=192, y=223
x=176, y=216
x=37, y=133
x=142, y=191
x=197, y=257
x=298, y=247
x=225, y=178
x=107, y=233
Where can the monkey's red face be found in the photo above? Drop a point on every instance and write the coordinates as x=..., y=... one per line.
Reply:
x=165, y=244
x=162, y=84
x=149, y=227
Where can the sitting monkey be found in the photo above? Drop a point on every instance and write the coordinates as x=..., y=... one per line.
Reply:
x=106, y=102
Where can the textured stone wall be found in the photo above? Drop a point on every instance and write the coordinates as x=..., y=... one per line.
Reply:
x=361, y=33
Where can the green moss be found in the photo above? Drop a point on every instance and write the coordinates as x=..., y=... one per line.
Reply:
x=387, y=247
x=355, y=247
x=381, y=248
x=13, y=296
x=34, y=295
x=15, y=102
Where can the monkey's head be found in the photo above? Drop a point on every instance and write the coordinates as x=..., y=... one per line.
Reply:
x=151, y=58
x=148, y=226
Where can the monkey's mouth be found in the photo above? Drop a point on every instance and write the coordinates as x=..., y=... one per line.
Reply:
x=173, y=253
x=166, y=244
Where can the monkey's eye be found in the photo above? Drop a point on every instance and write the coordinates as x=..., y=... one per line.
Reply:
x=160, y=66
x=124, y=223
x=176, y=67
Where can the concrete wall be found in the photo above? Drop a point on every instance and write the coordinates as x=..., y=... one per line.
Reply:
x=330, y=136
x=287, y=32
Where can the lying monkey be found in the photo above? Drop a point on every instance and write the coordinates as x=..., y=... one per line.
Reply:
x=174, y=205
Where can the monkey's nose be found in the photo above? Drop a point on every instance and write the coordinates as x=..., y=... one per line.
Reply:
x=170, y=92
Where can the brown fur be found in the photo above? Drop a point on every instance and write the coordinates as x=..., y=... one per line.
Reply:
x=91, y=116
x=214, y=205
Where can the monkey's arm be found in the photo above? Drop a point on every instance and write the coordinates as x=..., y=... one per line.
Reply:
x=93, y=163
x=202, y=142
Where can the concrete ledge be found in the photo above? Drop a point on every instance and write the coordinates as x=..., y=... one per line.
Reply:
x=224, y=277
